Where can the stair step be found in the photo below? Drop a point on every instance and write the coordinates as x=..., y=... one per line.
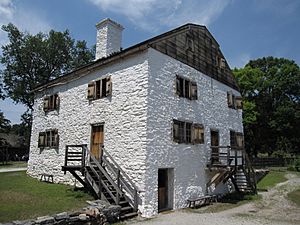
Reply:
x=126, y=208
x=128, y=215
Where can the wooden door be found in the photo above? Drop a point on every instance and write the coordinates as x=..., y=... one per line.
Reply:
x=162, y=189
x=97, y=140
x=214, y=134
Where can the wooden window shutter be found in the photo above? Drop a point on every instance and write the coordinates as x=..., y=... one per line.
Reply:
x=229, y=99
x=42, y=139
x=56, y=138
x=193, y=91
x=91, y=90
x=198, y=134
x=239, y=140
x=108, y=86
x=46, y=103
x=56, y=101
x=176, y=135
x=178, y=90
x=238, y=102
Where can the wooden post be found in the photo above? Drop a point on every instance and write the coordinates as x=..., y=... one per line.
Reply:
x=66, y=158
x=236, y=159
x=228, y=156
x=135, y=207
x=118, y=183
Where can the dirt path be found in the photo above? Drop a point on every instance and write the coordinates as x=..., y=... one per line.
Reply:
x=272, y=209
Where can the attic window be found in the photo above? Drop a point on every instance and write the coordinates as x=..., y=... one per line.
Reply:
x=187, y=132
x=234, y=102
x=48, y=139
x=51, y=102
x=189, y=44
x=186, y=88
x=100, y=88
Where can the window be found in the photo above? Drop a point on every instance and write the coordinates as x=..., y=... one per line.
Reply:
x=48, y=139
x=234, y=102
x=99, y=89
x=186, y=88
x=51, y=102
x=186, y=132
x=236, y=139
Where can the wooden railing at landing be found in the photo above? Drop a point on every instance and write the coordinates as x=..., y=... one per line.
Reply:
x=233, y=156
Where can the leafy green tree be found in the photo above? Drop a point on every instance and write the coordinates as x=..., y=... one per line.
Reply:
x=271, y=90
x=4, y=123
x=31, y=60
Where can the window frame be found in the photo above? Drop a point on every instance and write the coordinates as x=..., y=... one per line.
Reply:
x=51, y=102
x=100, y=88
x=48, y=139
x=186, y=88
x=185, y=132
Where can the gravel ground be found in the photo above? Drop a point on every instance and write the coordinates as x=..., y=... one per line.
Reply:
x=273, y=209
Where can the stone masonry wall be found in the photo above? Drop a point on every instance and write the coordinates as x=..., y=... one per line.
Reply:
x=188, y=161
x=123, y=115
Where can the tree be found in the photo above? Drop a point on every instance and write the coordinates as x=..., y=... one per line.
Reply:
x=271, y=90
x=4, y=123
x=31, y=60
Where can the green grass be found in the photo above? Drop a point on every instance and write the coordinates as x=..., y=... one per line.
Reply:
x=13, y=164
x=23, y=197
x=294, y=196
x=273, y=177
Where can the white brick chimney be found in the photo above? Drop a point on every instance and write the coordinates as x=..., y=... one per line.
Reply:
x=109, y=38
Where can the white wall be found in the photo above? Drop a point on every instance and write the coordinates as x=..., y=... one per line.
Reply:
x=189, y=161
x=124, y=115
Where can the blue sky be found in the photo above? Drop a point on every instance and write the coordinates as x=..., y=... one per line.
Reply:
x=244, y=29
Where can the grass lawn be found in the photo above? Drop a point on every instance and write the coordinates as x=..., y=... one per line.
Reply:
x=272, y=178
x=294, y=196
x=23, y=197
x=13, y=164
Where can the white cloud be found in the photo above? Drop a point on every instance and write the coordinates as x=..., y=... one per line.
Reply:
x=24, y=19
x=150, y=14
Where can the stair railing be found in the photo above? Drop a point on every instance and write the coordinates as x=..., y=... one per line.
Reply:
x=249, y=172
x=123, y=181
x=76, y=156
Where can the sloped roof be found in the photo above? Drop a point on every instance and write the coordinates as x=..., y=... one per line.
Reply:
x=202, y=59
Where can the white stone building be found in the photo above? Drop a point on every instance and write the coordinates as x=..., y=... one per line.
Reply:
x=157, y=107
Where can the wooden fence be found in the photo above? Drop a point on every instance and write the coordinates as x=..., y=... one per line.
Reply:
x=271, y=162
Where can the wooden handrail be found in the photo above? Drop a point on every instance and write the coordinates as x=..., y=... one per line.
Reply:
x=123, y=173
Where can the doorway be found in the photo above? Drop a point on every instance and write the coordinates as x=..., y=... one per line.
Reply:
x=165, y=189
x=214, y=135
x=97, y=140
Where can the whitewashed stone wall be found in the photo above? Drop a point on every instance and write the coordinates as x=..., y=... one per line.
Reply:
x=188, y=161
x=138, y=125
x=123, y=115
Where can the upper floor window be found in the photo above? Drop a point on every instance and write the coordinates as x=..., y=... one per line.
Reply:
x=99, y=89
x=48, y=139
x=186, y=88
x=236, y=139
x=233, y=101
x=51, y=102
x=187, y=132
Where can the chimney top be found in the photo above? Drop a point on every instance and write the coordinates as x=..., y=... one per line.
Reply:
x=109, y=21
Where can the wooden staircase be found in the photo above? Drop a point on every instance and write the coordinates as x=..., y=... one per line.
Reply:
x=104, y=177
x=232, y=163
